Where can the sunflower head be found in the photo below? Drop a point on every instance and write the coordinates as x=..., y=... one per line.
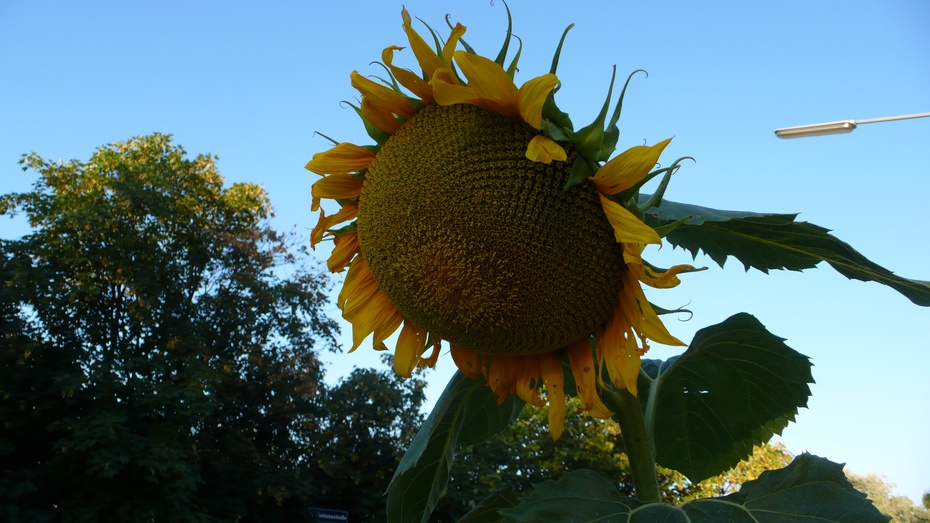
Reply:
x=482, y=218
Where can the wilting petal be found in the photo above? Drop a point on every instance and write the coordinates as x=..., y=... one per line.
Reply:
x=502, y=376
x=467, y=361
x=335, y=187
x=410, y=345
x=492, y=84
x=651, y=276
x=406, y=77
x=628, y=168
x=344, y=158
x=582, y=363
x=526, y=385
x=614, y=350
x=554, y=379
x=346, y=247
x=544, y=150
x=649, y=324
x=384, y=97
x=532, y=97
x=430, y=361
x=426, y=56
x=627, y=228
x=349, y=211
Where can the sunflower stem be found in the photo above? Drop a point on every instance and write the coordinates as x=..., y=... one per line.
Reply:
x=629, y=415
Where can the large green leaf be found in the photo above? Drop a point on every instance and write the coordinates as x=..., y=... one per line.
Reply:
x=735, y=386
x=488, y=510
x=774, y=241
x=465, y=414
x=811, y=489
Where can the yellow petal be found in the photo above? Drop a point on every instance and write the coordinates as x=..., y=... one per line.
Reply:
x=628, y=168
x=336, y=187
x=410, y=346
x=627, y=228
x=379, y=116
x=554, y=379
x=632, y=257
x=378, y=316
x=583, y=369
x=467, y=361
x=492, y=84
x=406, y=77
x=344, y=158
x=448, y=91
x=650, y=325
x=384, y=97
x=426, y=56
x=544, y=150
x=346, y=248
x=526, y=386
x=430, y=361
x=614, y=350
x=533, y=95
x=357, y=288
x=449, y=48
x=349, y=211
x=502, y=376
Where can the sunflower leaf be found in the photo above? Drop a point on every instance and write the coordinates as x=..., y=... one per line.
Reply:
x=774, y=241
x=735, y=386
x=465, y=414
x=487, y=510
x=809, y=489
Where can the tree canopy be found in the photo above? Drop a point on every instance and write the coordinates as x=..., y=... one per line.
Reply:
x=159, y=338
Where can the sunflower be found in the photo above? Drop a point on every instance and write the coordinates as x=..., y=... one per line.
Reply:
x=481, y=218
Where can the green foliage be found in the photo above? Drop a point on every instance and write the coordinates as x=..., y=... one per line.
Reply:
x=810, y=489
x=489, y=475
x=155, y=364
x=466, y=413
x=367, y=421
x=899, y=508
x=774, y=241
x=735, y=386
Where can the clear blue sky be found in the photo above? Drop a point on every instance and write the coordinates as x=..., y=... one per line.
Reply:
x=251, y=82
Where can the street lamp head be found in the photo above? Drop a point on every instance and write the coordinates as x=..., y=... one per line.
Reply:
x=803, y=131
x=843, y=126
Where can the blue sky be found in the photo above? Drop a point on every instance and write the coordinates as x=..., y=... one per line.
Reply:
x=251, y=82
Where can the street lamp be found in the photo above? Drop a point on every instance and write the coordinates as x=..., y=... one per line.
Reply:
x=842, y=126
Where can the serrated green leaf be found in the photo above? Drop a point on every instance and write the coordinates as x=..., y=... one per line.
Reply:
x=735, y=386
x=809, y=490
x=465, y=414
x=775, y=241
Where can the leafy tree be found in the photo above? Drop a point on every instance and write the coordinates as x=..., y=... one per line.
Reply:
x=368, y=420
x=900, y=508
x=524, y=454
x=156, y=364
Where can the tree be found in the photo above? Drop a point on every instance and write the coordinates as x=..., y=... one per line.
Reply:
x=525, y=454
x=900, y=508
x=368, y=420
x=158, y=345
